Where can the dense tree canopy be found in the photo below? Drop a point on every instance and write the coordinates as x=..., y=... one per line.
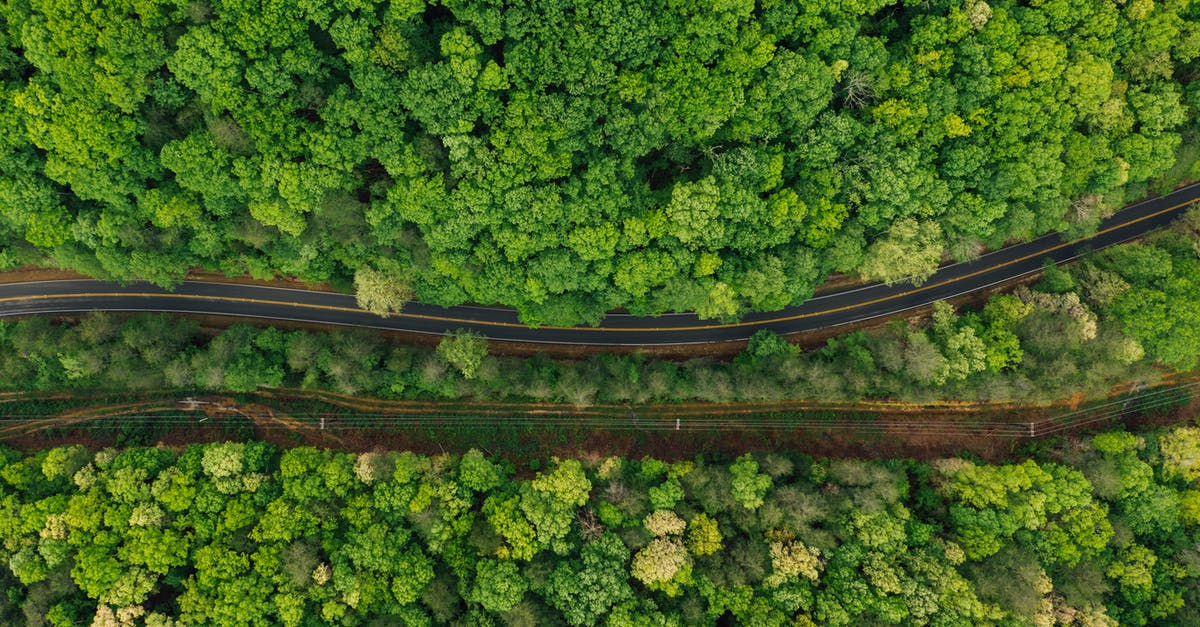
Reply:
x=1114, y=318
x=1101, y=531
x=567, y=158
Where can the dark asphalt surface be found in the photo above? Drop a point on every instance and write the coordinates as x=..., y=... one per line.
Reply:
x=845, y=307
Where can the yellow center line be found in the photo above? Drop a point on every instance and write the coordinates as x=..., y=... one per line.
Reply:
x=915, y=290
x=256, y=301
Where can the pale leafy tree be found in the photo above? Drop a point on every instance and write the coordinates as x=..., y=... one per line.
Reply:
x=965, y=355
x=963, y=351
x=664, y=523
x=923, y=361
x=663, y=564
x=146, y=515
x=790, y=559
x=382, y=291
x=1100, y=286
x=1181, y=453
x=106, y=616
x=721, y=302
x=978, y=13
x=1083, y=321
x=225, y=463
x=221, y=461
x=321, y=574
x=1018, y=584
x=610, y=468
x=85, y=477
x=910, y=250
x=371, y=467
x=56, y=527
x=132, y=587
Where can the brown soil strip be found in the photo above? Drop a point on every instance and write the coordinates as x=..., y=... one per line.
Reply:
x=200, y=274
x=904, y=433
x=75, y=417
x=33, y=273
x=837, y=281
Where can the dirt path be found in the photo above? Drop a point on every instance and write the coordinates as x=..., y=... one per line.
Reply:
x=75, y=417
x=525, y=430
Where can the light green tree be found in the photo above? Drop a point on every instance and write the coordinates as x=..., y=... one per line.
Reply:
x=749, y=486
x=910, y=251
x=663, y=564
x=381, y=290
x=703, y=535
x=465, y=350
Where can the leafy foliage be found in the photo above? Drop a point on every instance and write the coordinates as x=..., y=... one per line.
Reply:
x=710, y=157
x=465, y=351
x=1105, y=321
x=243, y=533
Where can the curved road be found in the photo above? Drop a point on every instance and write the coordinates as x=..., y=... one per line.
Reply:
x=844, y=307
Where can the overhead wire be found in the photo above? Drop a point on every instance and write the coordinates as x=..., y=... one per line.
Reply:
x=341, y=419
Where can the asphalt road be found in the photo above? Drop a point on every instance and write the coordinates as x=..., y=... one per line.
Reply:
x=828, y=310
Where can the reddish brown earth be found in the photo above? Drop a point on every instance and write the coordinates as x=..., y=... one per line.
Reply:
x=527, y=431
x=32, y=273
x=197, y=274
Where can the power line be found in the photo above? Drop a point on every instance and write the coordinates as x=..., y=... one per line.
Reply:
x=593, y=419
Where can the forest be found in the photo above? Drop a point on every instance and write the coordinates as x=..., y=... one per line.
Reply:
x=567, y=158
x=1123, y=315
x=1101, y=531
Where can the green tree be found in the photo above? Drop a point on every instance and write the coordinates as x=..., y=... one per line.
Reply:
x=664, y=564
x=499, y=585
x=381, y=291
x=478, y=473
x=586, y=590
x=464, y=350
x=1049, y=508
x=703, y=535
x=749, y=486
x=910, y=251
x=1181, y=453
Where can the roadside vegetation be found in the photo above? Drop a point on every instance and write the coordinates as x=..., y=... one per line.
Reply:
x=1098, y=531
x=1121, y=316
x=570, y=158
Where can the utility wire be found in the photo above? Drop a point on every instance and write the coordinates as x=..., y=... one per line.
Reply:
x=342, y=418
